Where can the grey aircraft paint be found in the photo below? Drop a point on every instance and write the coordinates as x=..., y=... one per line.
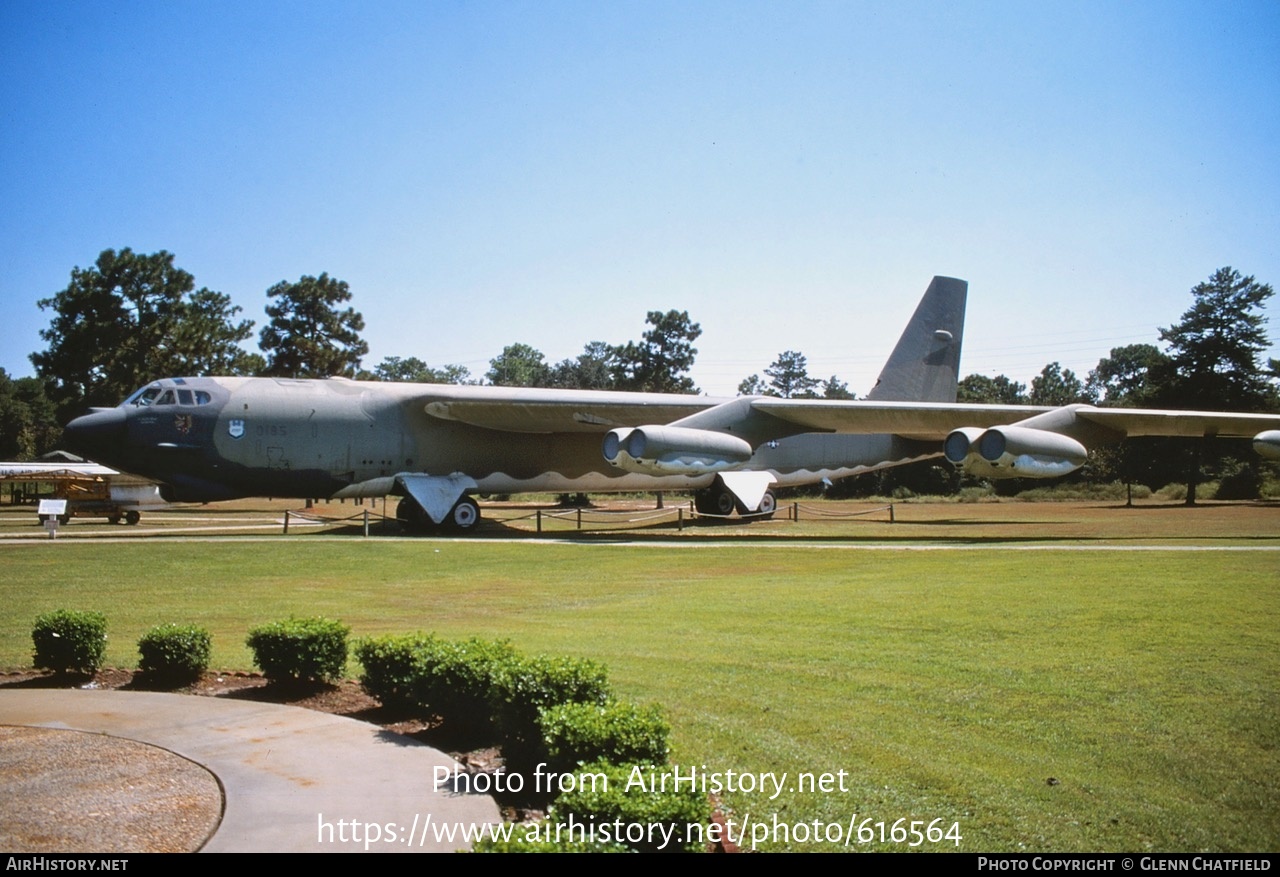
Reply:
x=216, y=438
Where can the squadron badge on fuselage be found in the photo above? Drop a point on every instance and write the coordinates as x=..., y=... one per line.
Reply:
x=235, y=429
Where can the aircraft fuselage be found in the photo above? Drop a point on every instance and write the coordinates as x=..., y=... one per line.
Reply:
x=209, y=439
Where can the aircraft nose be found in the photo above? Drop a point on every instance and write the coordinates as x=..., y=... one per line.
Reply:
x=101, y=429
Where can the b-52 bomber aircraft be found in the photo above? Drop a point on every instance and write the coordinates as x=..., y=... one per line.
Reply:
x=216, y=438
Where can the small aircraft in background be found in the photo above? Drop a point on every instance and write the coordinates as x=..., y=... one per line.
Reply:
x=90, y=490
x=216, y=438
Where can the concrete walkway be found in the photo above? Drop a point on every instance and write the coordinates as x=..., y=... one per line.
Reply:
x=289, y=775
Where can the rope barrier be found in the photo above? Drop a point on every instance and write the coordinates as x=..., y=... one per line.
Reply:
x=826, y=513
x=600, y=517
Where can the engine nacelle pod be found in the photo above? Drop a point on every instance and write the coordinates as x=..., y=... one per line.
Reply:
x=961, y=444
x=1014, y=452
x=674, y=450
x=1267, y=444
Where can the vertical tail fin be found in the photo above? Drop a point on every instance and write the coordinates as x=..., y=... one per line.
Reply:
x=925, y=365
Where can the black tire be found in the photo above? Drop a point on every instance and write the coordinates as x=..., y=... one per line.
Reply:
x=725, y=504
x=412, y=516
x=114, y=519
x=131, y=517
x=715, y=502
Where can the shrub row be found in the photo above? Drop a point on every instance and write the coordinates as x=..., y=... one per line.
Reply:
x=482, y=687
x=68, y=641
x=556, y=710
x=297, y=649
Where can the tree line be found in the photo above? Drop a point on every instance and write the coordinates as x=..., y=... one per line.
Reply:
x=131, y=318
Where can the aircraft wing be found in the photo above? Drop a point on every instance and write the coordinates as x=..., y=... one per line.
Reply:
x=535, y=410
x=935, y=420
x=924, y=420
x=997, y=441
x=1139, y=422
x=54, y=470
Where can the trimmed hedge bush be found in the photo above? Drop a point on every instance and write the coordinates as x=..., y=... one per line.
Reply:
x=479, y=685
x=300, y=649
x=174, y=652
x=600, y=802
x=392, y=666
x=522, y=689
x=453, y=679
x=459, y=677
x=69, y=640
x=616, y=733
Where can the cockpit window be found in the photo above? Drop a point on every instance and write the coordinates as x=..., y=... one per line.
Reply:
x=157, y=395
x=143, y=397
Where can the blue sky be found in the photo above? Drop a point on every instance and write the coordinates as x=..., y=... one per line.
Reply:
x=791, y=174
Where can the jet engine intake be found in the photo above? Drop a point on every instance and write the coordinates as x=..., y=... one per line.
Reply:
x=1014, y=452
x=961, y=444
x=674, y=450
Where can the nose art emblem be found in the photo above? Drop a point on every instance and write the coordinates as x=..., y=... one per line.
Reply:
x=182, y=423
x=235, y=429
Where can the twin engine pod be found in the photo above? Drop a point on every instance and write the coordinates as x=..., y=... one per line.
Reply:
x=1013, y=452
x=674, y=450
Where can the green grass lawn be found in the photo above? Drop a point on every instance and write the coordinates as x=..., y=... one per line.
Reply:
x=1044, y=700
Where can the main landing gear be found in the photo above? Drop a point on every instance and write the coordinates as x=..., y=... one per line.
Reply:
x=718, y=501
x=462, y=518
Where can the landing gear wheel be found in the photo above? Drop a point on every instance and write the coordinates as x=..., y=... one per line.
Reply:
x=768, y=505
x=131, y=518
x=714, y=502
x=464, y=516
x=412, y=517
x=113, y=519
